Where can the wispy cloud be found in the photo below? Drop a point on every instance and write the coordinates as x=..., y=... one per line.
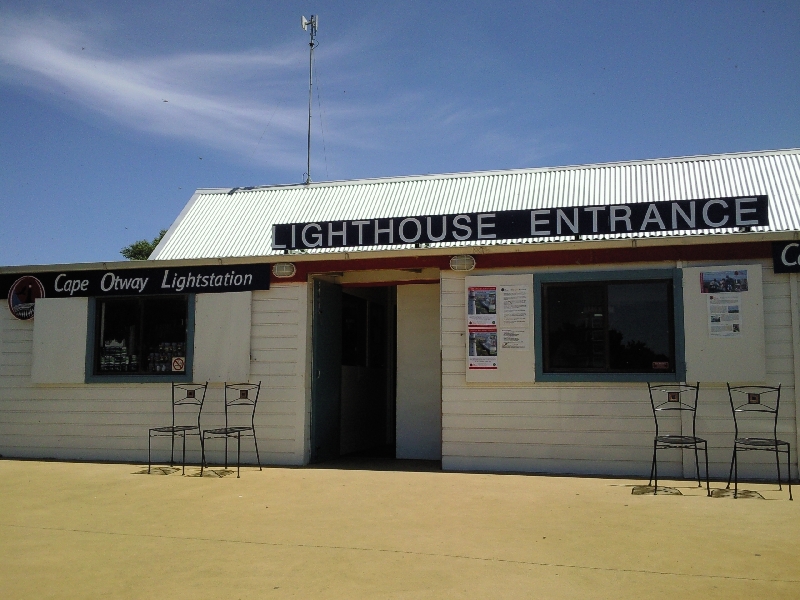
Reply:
x=251, y=104
x=208, y=98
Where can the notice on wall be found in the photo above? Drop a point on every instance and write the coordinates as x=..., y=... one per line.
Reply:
x=514, y=339
x=482, y=307
x=724, y=314
x=515, y=304
x=499, y=328
x=483, y=349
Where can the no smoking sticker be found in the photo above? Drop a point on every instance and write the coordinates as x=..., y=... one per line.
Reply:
x=178, y=364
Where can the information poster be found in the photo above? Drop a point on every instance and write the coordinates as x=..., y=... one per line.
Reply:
x=482, y=324
x=724, y=314
x=483, y=349
x=514, y=339
x=482, y=307
x=515, y=305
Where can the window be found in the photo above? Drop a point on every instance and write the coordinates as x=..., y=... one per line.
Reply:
x=141, y=336
x=608, y=327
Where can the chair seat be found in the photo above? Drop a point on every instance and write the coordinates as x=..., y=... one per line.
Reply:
x=175, y=428
x=760, y=442
x=227, y=430
x=687, y=440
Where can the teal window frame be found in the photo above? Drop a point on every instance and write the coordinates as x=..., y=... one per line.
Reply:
x=676, y=275
x=185, y=377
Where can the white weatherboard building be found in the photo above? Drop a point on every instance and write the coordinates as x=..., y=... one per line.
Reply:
x=499, y=321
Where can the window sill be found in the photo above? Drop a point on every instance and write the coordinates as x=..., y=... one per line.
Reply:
x=606, y=377
x=177, y=378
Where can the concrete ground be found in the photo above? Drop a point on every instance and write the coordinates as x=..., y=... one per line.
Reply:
x=74, y=530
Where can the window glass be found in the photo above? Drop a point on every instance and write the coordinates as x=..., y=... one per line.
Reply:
x=140, y=335
x=608, y=327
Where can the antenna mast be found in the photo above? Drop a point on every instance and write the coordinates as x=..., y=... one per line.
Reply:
x=312, y=25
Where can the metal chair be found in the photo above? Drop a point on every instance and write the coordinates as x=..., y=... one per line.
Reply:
x=750, y=400
x=192, y=396
x=236, y=394
x=677, y=398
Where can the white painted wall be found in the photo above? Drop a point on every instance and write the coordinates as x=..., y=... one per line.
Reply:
x=597, y=428
x=419, y=417
x=222, y=337
x=59, y=340
x=109, y=421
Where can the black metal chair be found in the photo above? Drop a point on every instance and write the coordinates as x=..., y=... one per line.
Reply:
x=676, y=398
x=747, y=402
x=236, y=394
x=191, y=396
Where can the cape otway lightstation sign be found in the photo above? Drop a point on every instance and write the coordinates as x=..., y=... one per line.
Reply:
x=22, y=290
x=677, y=215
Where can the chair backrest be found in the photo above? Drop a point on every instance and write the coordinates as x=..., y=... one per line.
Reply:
x=677, y=397
x=753, y=401
x=241, y=394
x=187, y=401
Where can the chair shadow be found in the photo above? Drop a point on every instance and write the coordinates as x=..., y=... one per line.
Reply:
x=218, y=473
x=642, y=490
x=158, y=471
x=190, y=472
x=728, y=493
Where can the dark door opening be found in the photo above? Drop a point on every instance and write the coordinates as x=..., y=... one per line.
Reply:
x=353, y=387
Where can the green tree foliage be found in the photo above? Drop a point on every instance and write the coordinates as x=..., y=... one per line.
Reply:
x=142, y=249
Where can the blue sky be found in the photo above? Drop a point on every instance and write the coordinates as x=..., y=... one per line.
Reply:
x=114, y=113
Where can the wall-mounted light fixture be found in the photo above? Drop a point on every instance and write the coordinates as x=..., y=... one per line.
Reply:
x=462, y=262
x=283, y=270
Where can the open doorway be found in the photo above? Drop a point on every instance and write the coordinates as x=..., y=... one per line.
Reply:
x=353, y=371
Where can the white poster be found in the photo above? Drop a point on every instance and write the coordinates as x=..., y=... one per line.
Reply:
x=724, y=314
x=514, y=339
x=482, y=307
x=483, y=350
x=515, y=304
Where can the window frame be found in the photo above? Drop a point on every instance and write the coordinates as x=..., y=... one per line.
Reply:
x=185, y=377
x=604, y=277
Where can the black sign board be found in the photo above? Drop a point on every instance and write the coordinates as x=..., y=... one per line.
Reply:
x=786, y=257
x=22, y=289
x=678, y=215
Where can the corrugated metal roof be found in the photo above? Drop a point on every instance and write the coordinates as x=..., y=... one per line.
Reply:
x=238, y=222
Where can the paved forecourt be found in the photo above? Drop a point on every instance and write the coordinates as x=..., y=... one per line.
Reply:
x=81, y=530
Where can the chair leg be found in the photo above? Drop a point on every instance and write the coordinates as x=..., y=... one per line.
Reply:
x=183, y=466
x=149, y=462
x=730, y=473
x=735, y=473
x=226, y=452
x=258, y=458
x=238, y=453
x=697, y=465
x=655, y=469
x=708, y=483
x=202, y=452
x=172, y=449
x=778, y=464
x=789, y=470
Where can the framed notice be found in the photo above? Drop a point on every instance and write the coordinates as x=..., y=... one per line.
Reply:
x=499, y=328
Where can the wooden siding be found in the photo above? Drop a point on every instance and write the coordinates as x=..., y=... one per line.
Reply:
x=593, y=428
x=110, y=421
